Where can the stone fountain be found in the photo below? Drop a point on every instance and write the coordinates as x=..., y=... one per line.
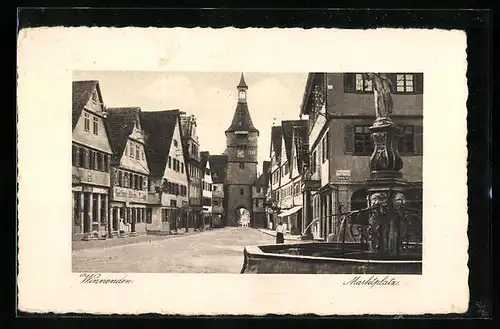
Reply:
x=380, y=249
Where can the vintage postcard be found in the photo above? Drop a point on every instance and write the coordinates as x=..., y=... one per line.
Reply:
x=242, y=171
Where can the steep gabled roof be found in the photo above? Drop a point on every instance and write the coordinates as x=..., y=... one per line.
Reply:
x=276, y=134
x=81, y=93
x=159, y=130
x=121, y=122
x=242, y=119
x=204, y=156
x=218, y=167
x=287, y=130
x=300, y=139
x=263, y=179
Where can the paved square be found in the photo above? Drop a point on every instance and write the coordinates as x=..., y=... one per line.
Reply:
x=216, y=251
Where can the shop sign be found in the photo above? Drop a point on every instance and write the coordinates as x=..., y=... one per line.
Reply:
x=343, y=174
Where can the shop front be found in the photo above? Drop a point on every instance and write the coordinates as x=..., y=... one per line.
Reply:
x=90, y=212
x=129, y=206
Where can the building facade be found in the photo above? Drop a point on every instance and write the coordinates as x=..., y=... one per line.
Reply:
x=168, y=180
x=241, y=149
x=218, y=169
x=91, y=155
x=129, y=171
x=340, y=109
x=273, y=197
x=191, y=145
x=259, y=195
x=206, y=189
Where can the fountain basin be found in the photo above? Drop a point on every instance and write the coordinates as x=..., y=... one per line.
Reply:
x=327, y=258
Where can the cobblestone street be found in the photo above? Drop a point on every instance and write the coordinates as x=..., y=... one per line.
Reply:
x=216, y=251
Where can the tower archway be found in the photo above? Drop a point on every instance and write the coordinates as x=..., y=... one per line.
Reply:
x=242, y=216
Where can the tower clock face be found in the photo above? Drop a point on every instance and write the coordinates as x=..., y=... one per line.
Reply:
x=240, y=153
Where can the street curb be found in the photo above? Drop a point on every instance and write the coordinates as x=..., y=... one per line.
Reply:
x=160, y=237
x=274, y=235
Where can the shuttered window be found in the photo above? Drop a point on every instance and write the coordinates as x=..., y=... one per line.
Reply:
x=419, y=82
x=349, y=139
x=406, y=144
x=419, y=139
x=349, y=83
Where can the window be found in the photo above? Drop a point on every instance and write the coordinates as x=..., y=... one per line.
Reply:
x=83, y=157
x=95, y=126
x=404, y=83
x=131, y=151
x=106, y=162
x=125, y=180
x=406, y=142
x=126, y=149
x=170, y=162
x=363, y=144
x=363, y=83
x=327, y=145
x=176, y=143
x=324, y=154
x=207, y=172
x=74, y=158
x=182, y=167
x=313, y=161
x=99, y=160
x=120, y=178
x=137, y=150
x=242, y=191
x=242, y=165
x=91, y=159
x=86, y=121
x=286, y=169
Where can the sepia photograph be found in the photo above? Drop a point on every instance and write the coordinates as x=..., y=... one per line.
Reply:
x=251, y=173
x=280, y=175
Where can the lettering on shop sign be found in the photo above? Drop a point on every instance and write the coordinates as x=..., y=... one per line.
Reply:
x=372, y=281
x=130, y=194
x=97, y=278
x=343, y=174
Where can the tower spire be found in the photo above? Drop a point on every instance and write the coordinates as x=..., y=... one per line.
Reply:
x=242, y=84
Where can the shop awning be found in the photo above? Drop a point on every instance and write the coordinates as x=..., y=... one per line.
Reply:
x=290, y=211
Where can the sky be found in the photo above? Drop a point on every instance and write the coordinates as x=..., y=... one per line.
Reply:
x=211, y=97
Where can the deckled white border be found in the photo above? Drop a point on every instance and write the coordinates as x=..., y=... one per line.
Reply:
x=47, y=57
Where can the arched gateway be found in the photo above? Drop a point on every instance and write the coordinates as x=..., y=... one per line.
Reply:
x=242, y=217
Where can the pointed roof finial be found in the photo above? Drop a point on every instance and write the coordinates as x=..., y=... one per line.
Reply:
x=242, y=83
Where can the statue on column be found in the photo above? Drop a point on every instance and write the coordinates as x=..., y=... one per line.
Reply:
x=382, y=86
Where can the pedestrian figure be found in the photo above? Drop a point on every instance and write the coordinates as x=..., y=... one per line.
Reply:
x=122, y=227
x=279, y=233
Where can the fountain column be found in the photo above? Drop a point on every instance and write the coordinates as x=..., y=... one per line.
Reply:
x=386, y=184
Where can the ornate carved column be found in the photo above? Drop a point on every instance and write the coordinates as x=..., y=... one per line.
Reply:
x=386, y=184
